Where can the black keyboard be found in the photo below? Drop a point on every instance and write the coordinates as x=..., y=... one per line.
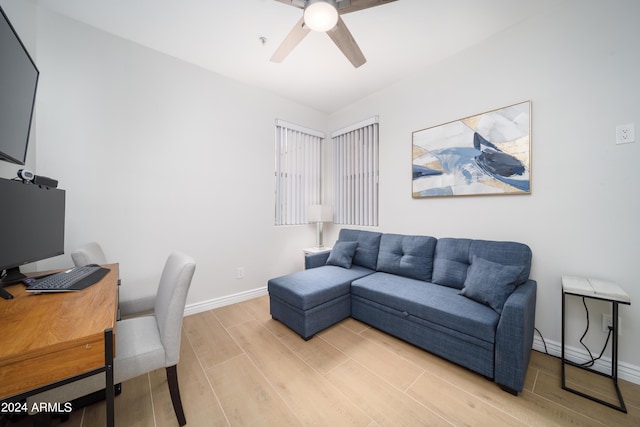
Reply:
x=72, y=280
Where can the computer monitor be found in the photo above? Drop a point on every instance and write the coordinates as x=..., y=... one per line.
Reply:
x=18, y=85
x=31, y=226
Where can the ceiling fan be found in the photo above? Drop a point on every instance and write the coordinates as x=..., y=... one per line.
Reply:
x=324, y=16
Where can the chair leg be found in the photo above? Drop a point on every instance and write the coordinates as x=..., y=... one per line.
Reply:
x=174, y=391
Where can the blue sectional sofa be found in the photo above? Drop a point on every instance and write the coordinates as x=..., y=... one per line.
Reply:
x=468, y=301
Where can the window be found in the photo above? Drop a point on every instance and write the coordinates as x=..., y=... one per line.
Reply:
x=355, y=151
x=298, y=172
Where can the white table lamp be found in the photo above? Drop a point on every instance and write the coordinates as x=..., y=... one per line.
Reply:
x=319, y=214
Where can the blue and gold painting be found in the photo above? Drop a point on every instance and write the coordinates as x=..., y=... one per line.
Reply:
x=485, y=154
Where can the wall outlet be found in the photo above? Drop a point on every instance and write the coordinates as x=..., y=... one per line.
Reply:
x=240, y=273
x=607, y=322
x=625, y=134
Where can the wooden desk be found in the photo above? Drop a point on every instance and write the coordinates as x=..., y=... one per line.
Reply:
x=47, y=338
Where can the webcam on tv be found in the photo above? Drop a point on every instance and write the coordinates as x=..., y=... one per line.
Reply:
x=27, y=176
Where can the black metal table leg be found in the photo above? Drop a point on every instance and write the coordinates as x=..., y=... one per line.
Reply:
x=614, y=360
x=108, y=361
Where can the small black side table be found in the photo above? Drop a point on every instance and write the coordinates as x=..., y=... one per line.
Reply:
x=605, y=291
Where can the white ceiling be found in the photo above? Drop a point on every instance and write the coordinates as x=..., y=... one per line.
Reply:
x=397, y=38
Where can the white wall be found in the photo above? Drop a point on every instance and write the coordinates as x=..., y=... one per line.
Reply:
x=159, y=155
x=579, y=67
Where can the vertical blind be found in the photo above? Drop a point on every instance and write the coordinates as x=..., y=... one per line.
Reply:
x=355, y=154
x=298, y=172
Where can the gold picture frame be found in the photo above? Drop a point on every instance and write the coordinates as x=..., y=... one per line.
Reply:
x=485, y=154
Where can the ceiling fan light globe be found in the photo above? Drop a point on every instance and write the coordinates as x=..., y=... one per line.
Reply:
x=321, y=15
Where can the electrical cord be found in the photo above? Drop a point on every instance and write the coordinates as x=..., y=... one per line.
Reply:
x=543, y=341
x=593, y=360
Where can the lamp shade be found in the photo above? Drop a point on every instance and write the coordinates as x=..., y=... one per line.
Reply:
x=321, y=15
x=319, y=213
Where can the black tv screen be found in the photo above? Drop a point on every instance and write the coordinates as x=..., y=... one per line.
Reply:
x=31, y=224
x=18, y=84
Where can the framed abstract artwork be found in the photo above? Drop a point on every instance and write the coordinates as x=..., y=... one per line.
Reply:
x=485, y=154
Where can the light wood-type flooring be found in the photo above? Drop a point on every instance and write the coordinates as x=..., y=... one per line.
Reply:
x=239, y=367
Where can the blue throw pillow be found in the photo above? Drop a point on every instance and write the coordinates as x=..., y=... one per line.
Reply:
x=490, y=283
x=342, y=254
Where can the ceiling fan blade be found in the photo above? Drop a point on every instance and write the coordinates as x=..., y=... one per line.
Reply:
x=355, y=5
x=342, y=37
x=295, y=36
x=295, y=3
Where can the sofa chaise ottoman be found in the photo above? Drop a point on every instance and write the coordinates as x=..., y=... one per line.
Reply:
x=311, y=300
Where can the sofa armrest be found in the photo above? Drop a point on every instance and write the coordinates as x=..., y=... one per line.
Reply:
x=315, y=259
x=514, y=337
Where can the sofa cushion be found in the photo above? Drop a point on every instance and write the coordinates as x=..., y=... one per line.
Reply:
x=368, y=246
x=490, y=283
x=342, y=254
x=505, y=253
x=451, y=261
x=441, y=305
x=453, y=257
x=409, y=256
x=308, y=288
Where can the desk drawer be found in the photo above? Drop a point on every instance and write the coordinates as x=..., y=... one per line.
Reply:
x=29, y=373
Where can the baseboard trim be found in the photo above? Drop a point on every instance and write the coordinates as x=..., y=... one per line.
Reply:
x=211, y=304
x=626, y=371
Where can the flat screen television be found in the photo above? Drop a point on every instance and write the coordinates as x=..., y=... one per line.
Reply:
x=31, y=226
x=18, y=84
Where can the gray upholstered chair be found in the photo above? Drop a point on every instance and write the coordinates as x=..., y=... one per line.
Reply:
x=91, y=253
x=131, y=302
x=145, y=343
